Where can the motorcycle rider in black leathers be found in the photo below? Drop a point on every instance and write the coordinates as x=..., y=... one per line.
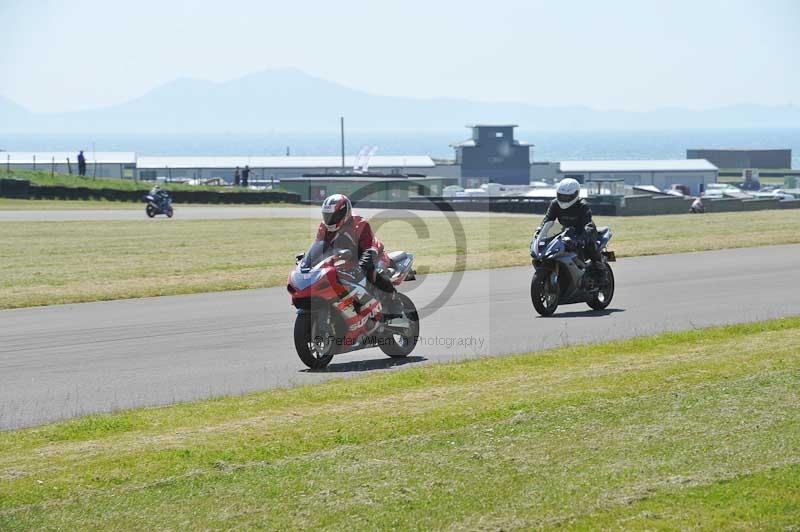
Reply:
x=159, y=195
x=574, y=214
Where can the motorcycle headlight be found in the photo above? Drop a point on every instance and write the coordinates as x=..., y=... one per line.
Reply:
x=302, y=280
x=556, y=246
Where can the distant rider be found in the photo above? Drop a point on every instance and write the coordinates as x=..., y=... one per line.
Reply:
x=574, y=213
x=697, y=206
x=344, y=231
x=159, y=195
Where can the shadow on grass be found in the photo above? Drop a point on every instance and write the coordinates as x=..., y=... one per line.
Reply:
x=368, y=365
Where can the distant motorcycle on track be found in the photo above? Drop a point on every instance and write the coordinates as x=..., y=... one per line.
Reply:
x=561, y=274
x=158, y=202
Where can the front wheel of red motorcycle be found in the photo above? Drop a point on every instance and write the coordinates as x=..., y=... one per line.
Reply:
x=401, y=344
x=311, y=344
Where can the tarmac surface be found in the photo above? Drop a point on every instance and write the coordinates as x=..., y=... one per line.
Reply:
x=62, y=361
x=208, y=213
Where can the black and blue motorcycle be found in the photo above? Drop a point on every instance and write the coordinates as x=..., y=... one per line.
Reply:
x=159, y=203
x=562, y=275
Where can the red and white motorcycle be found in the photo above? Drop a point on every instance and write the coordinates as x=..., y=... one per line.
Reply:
x=339, y=311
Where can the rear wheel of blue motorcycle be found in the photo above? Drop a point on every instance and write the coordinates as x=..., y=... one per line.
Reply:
x=170, y=212
x=544, y=296
x=401, y=345
x=602, y=298
x=312, y=347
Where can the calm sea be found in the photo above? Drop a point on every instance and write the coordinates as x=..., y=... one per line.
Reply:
x=549, y=145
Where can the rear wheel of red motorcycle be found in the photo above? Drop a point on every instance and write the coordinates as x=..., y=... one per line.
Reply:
x=401, y=345
x=310, y=344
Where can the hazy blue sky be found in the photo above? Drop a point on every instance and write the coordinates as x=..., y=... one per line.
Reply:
x=59, y=55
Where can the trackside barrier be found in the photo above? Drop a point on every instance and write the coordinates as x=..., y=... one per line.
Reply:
x=14, y=188
x=643, y=205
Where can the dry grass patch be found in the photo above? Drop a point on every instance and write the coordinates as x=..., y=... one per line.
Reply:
x=46, y=263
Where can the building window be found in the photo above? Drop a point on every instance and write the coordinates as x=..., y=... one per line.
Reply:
x=498, y=135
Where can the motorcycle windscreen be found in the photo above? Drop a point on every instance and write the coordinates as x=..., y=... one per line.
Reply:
x=551, y=229
x=548, y=231
x=318, y=251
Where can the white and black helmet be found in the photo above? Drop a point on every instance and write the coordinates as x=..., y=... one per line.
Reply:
x=568, y=192
x=336, y=211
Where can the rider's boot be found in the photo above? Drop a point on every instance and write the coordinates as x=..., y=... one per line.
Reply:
x=392, y=306
x=595, y=267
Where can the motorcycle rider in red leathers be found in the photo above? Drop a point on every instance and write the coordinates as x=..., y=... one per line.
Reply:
x=341, y=229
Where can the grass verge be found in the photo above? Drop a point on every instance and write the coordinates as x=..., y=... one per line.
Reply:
x=10, y=204
x=697, y=429
x=45, y=263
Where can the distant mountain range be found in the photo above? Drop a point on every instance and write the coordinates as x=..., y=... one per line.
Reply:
x=291, y=100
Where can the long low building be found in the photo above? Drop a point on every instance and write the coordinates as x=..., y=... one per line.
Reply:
x=267, y=168
x=128, y=165
x=695, y=173
x=773, y=159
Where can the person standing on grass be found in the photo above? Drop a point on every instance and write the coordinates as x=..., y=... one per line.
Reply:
x=246, y=175
x=237, y=177
x=81, y=164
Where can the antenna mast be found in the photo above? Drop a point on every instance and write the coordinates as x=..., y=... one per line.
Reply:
x=341, y=127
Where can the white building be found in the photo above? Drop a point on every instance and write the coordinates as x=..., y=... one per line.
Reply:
x=99, y=164
x=695, y=173
x=266, y=168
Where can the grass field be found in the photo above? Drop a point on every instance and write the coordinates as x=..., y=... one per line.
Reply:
x=698, y=429
x=9, y=204
x=45, y=263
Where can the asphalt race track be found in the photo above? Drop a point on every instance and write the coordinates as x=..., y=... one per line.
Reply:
x=62, y=361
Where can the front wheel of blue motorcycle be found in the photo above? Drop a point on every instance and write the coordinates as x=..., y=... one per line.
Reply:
x=544, y=295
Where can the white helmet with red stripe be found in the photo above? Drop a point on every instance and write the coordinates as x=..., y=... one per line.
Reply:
x=336, y=211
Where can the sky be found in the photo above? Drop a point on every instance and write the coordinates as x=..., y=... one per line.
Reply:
x=632, y=55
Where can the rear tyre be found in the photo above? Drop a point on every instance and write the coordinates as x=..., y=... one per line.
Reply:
x=170, y=212
x=150, y=211
x=544, y=295
x=400, y=345
x=313, y=348
x=602, y=298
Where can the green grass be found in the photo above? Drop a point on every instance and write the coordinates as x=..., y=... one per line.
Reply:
x=44, y=178
x=45, y=263
x=696, y=429
x=735, y=180
x=10, y=204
